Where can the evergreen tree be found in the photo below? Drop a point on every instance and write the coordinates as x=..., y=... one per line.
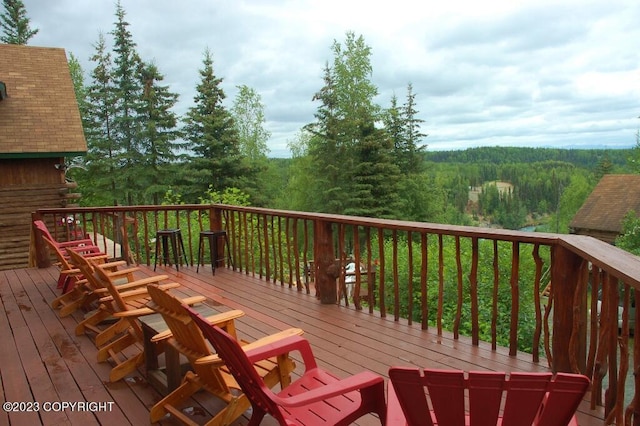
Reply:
x=15, y=23
x=128, y=103
x=375, y=187
x=403, y=127
x=343, y=121
x=159, y=133
x=102, y=155
x=212, y=136
x=412, y=150
x=326, y=150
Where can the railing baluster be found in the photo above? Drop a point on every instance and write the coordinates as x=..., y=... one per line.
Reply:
x=410, y=278
x=381, y=289
x=424, y=273
x=537, y=303
x=496, y=289
x=396, y=284
x=460, y=295
x=515, y=298
x=440, y=284
x=473, y=286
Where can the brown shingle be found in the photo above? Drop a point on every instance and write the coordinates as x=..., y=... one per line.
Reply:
x=612, y=198
x=40, y=114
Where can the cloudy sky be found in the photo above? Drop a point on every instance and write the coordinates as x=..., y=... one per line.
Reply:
x=560, y=73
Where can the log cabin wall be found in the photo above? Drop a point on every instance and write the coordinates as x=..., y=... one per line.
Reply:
x=25, y=186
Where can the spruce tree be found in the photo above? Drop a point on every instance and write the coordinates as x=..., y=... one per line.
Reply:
x=128, y=104
x=15, y=23
x=103, y=150
x=159, y=134
x=212, y=137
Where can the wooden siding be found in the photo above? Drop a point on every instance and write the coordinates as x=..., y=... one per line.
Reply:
x=17, y=202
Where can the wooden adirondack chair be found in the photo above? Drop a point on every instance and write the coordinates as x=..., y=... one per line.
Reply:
x=80, y=293
x=529, y=398
x=317, y=397
x=85, y=246
x=125, y=281
x=133, y=336
x=207, y=372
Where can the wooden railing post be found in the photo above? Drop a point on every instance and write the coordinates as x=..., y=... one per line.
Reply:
x=324, y=262
x=569, y=317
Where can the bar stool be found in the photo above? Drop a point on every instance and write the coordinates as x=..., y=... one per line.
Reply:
x=213, y=236
x=163, y=238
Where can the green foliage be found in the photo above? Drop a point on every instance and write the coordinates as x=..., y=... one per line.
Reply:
x=249, y=121
x=15, y=23
x=230, y=196
x=212, y=137
x=629, y=239
x=485, y=287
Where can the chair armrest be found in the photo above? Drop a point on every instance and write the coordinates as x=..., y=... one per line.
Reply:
x=75, y=243
x=272, y=338
x=134, y=313
x=283, y=347
x=213, y=319
x=113, y=264
x=340, y=387
x=120, y=272
x=138, y=292
x=272, y=348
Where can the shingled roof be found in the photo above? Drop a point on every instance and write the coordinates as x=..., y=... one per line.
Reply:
x=602, y=213
x=39, y=117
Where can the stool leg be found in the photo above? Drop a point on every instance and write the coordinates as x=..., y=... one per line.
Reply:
x=174, y=246
x=165, y=250
x=200, y=254
x=155, y=261
x=213, y=250
x=182, y=250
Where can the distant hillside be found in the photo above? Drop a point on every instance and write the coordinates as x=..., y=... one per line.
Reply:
x=588, y=158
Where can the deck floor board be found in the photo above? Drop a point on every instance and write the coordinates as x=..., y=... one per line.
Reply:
x=43, y=360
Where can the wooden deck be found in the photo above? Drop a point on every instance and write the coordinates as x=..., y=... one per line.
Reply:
x=41, y=359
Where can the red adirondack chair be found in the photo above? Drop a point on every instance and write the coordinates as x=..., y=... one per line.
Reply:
x=530, y=398
x=317, y=397
x=85, y=247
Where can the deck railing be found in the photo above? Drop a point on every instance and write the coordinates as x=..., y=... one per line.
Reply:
x=566, y=296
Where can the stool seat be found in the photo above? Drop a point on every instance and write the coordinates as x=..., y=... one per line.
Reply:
x=212, y=237
x=170, y=238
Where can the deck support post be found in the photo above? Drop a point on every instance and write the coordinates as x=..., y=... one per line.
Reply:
x=569, y=273
x=324, y=262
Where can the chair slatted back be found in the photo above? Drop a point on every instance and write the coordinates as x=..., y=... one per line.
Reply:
x=236, y=360
x=529, y=398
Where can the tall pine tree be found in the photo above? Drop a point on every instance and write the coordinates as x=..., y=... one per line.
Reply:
x=159, y=133
x=102, y=159
x=212, y=137
x=15, y=23
x=128, y=104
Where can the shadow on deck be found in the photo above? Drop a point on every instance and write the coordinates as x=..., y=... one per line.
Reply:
x=44, y=362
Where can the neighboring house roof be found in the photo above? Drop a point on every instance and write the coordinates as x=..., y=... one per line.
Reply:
x=39, y=116
x=603, y=211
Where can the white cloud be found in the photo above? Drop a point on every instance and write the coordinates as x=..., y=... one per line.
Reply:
x=532, y=72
